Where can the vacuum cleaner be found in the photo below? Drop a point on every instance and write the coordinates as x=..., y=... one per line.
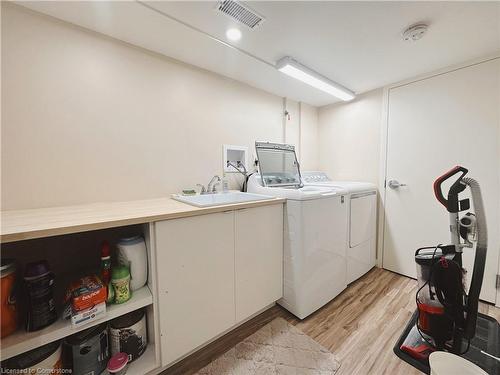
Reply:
x=447, y=317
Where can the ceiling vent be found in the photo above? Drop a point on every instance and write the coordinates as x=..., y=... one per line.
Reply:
x=241, y=13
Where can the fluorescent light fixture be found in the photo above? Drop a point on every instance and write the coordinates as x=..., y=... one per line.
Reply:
x=298, y=71
x=233, y=34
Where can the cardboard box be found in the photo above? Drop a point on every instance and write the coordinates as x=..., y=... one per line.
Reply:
x=79, y=318
x=86, y=293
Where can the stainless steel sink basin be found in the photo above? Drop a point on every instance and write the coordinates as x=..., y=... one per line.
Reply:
x=219, y=199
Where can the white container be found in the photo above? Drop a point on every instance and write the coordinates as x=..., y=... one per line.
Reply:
x=443, y=363
x=133, y=254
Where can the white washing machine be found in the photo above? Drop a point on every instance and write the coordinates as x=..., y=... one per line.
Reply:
x=314, y=269
x=362, y=221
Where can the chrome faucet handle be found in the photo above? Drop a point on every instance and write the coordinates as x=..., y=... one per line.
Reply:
x=202, y=191
x=210, y=184
x=214, y=190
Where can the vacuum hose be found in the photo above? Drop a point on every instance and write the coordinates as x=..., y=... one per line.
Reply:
x=479, y=260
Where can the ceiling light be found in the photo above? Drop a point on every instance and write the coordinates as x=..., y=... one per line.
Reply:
x=233, y=34
x=298, y=71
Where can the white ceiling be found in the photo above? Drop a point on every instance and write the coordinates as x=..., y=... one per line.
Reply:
x=357, y=44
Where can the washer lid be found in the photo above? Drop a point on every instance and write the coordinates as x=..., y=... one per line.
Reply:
x=278, y=165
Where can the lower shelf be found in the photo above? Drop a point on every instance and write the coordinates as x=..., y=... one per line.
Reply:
x=21, y=341
x=145, y=363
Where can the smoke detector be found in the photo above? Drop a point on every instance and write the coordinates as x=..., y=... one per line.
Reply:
x=414, y=32
x=240, y=13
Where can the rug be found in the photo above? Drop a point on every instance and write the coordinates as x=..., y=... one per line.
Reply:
x=278, y=348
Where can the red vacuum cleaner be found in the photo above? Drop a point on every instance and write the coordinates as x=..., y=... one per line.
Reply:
x=447, y=316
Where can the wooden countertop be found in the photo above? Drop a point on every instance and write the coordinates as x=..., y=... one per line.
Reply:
x=20, y=225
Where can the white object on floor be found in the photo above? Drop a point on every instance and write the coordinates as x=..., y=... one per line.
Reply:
x=314, y=233
x=443, y=363
x=218, y=199
x=362, y=221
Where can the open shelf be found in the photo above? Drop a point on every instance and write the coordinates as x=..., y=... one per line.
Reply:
x=145, y=363
x=22, y=341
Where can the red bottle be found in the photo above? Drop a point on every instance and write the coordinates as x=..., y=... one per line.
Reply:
x=105, y=263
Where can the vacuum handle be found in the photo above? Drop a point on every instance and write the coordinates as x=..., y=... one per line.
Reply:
x=440, y=180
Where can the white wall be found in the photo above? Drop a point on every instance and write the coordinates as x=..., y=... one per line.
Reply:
x=86, y=118
x=349, y=138
x=309, y=137
x=301, y=130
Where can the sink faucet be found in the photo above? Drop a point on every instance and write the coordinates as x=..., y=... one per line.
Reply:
x=212, y=184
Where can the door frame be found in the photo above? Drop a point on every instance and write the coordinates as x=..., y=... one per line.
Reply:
x=384, y=125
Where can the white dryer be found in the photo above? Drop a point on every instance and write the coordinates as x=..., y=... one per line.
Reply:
x=362, y=221
x=314, y=269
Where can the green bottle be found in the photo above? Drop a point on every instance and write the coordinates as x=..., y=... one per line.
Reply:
x=120, y=280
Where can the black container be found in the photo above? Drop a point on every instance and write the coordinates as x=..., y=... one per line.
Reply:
x=87, y=352
x=129, y=334
x=39, y=288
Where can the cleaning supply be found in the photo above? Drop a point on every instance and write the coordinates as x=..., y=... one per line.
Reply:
x=225, y=184
x=43, y=360
x=87, y=352
x=105, y=263
x=132, y=253
x=8, y=314
x=120, y=281
x=87, y=299
x=39, y=289
x=86, y=292
x=189, y=192
x=106, y=270
x=128, y=334
x=118, y=364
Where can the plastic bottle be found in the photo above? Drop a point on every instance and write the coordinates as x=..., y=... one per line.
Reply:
x=105, y=263
x=120, y=280
x=225, y=184
x=106, y=271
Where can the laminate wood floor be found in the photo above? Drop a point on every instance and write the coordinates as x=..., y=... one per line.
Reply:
x=360, y=326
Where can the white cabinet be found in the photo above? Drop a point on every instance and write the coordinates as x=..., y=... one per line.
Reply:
x=258, y=258
x=195, y=263
x=215, y=271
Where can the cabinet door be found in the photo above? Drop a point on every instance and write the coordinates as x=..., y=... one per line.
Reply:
x=258, y=258
x=195, y=262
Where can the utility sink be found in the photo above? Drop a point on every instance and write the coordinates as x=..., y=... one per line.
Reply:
x=219, y=199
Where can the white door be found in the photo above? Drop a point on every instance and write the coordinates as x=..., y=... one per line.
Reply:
x=258, y=258
x=434, y=124
x=195, y=266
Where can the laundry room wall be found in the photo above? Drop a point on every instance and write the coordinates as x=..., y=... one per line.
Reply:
x=309, y=137
x=87, y=118
x=349, y=138
x=301, y=130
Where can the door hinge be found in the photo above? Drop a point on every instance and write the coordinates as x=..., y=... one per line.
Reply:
x=498, y=282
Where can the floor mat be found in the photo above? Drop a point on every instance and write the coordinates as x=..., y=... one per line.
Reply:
x=278, y=348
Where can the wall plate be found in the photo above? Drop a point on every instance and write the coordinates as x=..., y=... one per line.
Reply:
x=234, y=154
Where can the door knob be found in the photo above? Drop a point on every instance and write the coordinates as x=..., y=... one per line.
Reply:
x=395, y=184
